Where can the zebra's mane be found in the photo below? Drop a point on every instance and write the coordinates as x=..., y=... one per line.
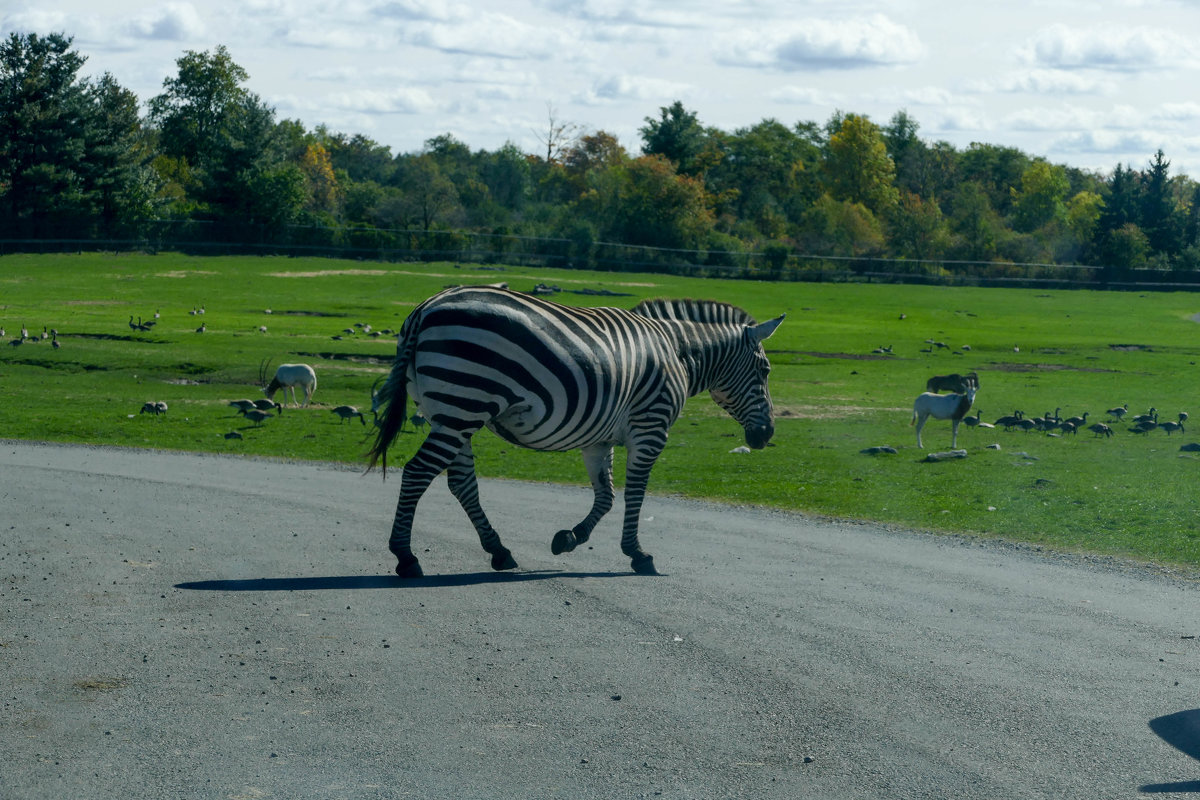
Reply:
x=707, y=311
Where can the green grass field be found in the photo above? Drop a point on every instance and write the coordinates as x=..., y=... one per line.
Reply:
x=1131, y=495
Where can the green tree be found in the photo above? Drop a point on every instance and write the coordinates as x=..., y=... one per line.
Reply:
x=43, y=114
x=1040, y=200
x=646, y=202
x=427, y=197
x=1083, y=215
x=678, y=136
x=221, y=131
x=840, y=228
x=977, y=227
x=917, y=229
x=767, y=176
x=909, y=154
x=1158, y=215
x=996, y=170
x=857, y=164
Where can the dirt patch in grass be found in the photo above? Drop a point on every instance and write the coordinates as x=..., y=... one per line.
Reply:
x=1045, y=368
x=326, y=273
x=852, y=356
x=299, y=313
x=827, y=412
x=357, y=358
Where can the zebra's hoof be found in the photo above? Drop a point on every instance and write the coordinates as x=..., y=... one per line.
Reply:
x=644, y=564
x=503, y=560
x=409, y=568
x=564, y=542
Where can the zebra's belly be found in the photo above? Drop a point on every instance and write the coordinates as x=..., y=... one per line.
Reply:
x=522, y=425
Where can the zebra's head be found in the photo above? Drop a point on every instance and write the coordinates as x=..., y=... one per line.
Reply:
x=741, y=385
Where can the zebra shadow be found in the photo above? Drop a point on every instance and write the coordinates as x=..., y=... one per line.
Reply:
x=323, y=582
x=1181, y=730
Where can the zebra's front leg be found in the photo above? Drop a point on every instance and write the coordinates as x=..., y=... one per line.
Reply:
x=434, y=455
x=599, y=460
x=640, y=460
x=461, y=478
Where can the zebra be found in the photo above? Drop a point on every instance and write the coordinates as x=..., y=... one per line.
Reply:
x=551, y=377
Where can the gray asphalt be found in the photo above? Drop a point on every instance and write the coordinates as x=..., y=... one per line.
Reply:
x=179, y=626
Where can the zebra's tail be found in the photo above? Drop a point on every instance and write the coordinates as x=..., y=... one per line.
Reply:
x=394, y=399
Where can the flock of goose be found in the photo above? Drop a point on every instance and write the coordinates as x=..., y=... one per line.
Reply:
x=1055, y=425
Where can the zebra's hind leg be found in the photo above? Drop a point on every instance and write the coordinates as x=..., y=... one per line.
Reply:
x=639, y=462
x=434, y=455
x=463, y=485
x=599, y=460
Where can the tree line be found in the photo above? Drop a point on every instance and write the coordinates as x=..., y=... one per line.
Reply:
x=80, y=159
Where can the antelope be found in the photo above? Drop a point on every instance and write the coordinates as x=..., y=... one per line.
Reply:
x=942, y=406
x=288, y=376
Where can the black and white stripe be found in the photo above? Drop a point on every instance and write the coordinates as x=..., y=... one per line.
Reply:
x=553, y=377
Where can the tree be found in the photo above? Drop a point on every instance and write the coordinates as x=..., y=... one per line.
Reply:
x=767, y=176
x=1158, y=216
x=908, y=153
x=427, y=196
x=857, y=165
x=677, y=136
x=917, y=228
x=322, y=190
x=647, y=202
x=43, y=113
x=841, y=228
x=996, y=170
x=558, y=136
x=1041, y=198
x=222, y=132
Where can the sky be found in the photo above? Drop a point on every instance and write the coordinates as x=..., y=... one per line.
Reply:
x=1086, y=83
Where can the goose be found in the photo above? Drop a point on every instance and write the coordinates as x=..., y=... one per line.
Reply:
x=263, y=404
x=1100, y=429
x=1170, y=427
x=1010, y=420
x=1118, y=412
x=349, y=412
x=1152, y=416
x=1078, y=422
x=256, y=416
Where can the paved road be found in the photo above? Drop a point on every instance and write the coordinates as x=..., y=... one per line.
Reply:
x=176, y=626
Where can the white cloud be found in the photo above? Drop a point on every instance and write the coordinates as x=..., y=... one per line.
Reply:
x=403, y=100
x=1047, y=81
x=1131, y=49
x=633, y=87
x=178, y=22
x=822, y=44
x=805, y=95
x=488, y=34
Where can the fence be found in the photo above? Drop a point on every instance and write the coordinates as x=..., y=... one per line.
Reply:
x=775, y=263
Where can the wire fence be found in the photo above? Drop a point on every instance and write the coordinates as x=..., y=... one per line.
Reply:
x=774, y=263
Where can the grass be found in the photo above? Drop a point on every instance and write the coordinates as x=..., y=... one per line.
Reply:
x=1034, y=350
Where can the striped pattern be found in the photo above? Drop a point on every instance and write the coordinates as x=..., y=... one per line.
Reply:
x=552, y=377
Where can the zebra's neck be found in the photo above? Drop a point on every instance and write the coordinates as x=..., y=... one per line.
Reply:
x=702, y=332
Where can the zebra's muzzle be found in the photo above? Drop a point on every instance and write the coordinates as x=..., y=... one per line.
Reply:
x=758, y=436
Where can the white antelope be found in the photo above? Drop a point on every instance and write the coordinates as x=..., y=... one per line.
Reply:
x=942, y=406
x=289, y=376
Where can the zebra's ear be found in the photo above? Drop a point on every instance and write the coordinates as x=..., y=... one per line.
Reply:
x=765, y=329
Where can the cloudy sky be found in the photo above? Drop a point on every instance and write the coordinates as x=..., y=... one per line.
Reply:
x=1082, y=82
